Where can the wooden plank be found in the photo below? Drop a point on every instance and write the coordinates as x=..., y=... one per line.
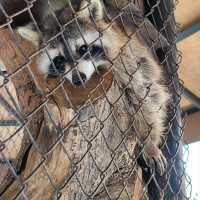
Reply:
x=189, y=69
x=192, y=128
x=187, y=12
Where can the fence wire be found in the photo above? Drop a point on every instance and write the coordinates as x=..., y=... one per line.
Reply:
x=65, y=137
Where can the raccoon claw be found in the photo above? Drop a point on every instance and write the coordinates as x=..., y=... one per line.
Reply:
x=160, y=164
x=155, y=158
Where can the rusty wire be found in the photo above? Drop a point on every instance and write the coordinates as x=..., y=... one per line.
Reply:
x=175, y=181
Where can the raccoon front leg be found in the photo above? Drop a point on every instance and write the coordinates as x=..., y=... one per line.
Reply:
x=148, y=114
x=149, y=117
x=152, y=152
x=154, y=115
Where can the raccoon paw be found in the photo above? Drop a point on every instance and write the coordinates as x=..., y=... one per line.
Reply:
x=155, y=158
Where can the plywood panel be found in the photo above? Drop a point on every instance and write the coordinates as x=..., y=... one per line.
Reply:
x=190, y=67
x=187, y=12
x=192, y=127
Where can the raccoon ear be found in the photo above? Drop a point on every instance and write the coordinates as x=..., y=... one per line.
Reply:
x=92, y=7
x=29, y=33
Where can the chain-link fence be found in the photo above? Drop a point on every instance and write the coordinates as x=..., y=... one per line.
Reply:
x=89, y=96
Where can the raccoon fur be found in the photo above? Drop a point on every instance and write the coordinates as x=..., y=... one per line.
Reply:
x=90, y=42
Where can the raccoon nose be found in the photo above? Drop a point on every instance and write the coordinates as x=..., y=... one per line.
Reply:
x=58, y=67
x=76, y=78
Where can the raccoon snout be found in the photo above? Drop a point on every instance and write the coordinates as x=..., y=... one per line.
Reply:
x=78, y=79
x=58, y=67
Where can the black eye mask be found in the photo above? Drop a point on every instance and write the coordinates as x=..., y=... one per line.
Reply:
x=94, y=51
x=58, y=66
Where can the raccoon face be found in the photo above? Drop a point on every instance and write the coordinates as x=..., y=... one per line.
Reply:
x=82, y=54
x=76, y=57
x=80, y=49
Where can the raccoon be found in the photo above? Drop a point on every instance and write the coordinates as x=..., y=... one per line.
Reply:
x=89, y=41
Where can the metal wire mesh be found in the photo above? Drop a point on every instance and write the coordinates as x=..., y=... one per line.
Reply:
x=52, y=148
